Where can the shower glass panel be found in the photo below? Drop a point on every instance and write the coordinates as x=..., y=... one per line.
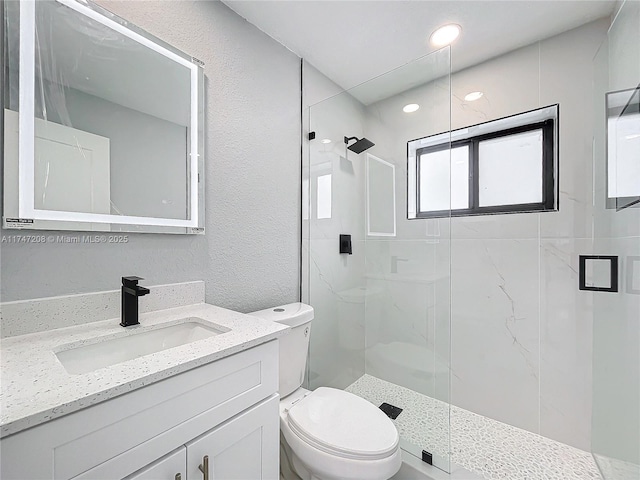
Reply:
x=382, y=312
x=616, y=232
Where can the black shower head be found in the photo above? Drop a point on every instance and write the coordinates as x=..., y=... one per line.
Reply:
x=360, y=145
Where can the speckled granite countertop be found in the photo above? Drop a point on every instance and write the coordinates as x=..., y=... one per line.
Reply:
x=37, y=388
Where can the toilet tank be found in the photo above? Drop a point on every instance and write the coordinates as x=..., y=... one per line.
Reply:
x=293, y=345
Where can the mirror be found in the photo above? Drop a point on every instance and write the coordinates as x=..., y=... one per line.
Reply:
x=623, y=147
x=103, y=124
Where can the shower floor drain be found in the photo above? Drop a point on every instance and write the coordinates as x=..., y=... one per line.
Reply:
x=391, y=410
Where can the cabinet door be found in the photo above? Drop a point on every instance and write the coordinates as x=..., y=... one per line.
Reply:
x=170, y=467
x=243, y=448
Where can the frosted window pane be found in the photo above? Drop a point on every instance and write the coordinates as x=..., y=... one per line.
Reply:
x=510, y=169
x=324, y=196
x=442, y=172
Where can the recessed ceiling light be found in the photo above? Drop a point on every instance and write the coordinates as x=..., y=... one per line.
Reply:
x=473, y=96
x=445, y=35
x=326, y=140
x=412, y=107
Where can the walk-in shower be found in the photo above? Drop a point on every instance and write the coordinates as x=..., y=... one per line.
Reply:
x=379, y=334
x=475, y=325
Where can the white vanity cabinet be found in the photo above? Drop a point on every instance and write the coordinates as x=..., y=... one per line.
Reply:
x=239, y=449
x=226, y=410
x=169, y=467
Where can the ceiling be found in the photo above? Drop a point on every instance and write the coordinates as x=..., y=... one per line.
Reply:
x=353, y=41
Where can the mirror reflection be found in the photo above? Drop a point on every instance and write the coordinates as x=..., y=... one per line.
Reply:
x=623, y=148
x=114, y=128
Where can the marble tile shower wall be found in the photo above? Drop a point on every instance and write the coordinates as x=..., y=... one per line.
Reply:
x=506, y=285
x=521, y=331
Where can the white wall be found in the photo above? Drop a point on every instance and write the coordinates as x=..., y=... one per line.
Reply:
x=249, y=257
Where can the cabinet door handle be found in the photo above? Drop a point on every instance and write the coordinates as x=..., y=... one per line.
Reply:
x=178, y=476
x=204, y=467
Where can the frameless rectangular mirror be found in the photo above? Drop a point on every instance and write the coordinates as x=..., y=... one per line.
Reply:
x=623, y=149
x=102, y=125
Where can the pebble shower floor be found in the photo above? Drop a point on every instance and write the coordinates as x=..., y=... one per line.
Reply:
x=491, y=449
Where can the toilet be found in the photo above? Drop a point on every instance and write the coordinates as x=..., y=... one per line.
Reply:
x=326, y=434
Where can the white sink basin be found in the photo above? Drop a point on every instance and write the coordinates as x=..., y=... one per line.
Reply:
x=104, y=352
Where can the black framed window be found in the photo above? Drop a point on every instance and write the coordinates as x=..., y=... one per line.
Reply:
x=504, y=166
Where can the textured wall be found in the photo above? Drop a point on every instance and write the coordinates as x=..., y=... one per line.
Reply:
x=249, y=257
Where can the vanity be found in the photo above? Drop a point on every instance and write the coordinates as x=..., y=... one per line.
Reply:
x=203, y=409
x=104, y=132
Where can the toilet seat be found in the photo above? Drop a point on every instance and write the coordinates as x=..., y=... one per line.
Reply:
x=342, y=424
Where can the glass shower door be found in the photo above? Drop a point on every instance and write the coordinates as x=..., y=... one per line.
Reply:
x=378, y=278
x=616, y=326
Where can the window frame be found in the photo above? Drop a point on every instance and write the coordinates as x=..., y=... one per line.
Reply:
x=550, y=183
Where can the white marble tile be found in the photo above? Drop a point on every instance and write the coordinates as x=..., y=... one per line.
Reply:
x=41, y=314
x=403, y=308
x=504, y=81
x=612, y=223
x=495, y=322
x=566, y=323
x=557, y=57
x=336, y=350
x=616, y=362
x=507, y=82
x=407, y=343
x=511, y=226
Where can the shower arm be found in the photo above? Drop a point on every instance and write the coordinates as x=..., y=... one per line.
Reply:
x=346, y=146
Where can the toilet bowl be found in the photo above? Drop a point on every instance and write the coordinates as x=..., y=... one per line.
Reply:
x=332, y=434
x=326, y=434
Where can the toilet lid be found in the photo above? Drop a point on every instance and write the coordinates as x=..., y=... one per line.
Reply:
x=343, y=424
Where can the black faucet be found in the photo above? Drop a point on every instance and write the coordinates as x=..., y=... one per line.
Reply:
x=130, y=293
